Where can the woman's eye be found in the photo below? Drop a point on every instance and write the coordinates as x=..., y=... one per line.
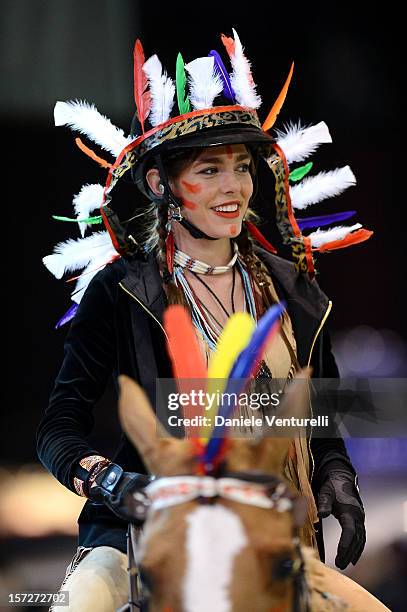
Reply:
x=244, y=168
x=209, y=171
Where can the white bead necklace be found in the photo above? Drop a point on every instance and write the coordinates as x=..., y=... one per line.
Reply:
x=183, y=260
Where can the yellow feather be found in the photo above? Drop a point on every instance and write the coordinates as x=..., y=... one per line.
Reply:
x=234, y=338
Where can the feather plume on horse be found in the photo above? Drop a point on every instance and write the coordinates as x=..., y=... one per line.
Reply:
x=228, y=542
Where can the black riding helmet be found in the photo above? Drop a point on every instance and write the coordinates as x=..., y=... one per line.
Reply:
x=210, y=127
x=161, y=128
x=258, y=142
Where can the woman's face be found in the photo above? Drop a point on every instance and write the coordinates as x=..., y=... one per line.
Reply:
x=215, y=190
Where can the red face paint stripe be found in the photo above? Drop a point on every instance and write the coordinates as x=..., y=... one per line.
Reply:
x=192, y=187
x=229, y=151
x=188, y=204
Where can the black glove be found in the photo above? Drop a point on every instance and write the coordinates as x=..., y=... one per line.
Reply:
x=339, y=495
x=122, y=492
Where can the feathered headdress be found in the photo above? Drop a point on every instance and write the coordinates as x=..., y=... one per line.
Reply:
x=213, y=105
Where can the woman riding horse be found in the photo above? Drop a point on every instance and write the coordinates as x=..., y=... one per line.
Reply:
x=188, y=237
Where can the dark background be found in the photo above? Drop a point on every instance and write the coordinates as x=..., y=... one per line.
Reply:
x=346, y=73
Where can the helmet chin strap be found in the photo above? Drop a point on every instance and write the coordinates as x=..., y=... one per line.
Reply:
x=195, y=231
x=175, y=205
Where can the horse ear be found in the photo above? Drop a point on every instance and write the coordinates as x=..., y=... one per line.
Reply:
x=269, y=454
x=162, y=454
x=295, y=403
x=296, y=399
x=137, y=416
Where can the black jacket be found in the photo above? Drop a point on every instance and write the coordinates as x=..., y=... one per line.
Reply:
x=118, y=329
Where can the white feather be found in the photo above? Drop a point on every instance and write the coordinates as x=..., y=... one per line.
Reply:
x=204, y=83
x=162, y=91
x=88, y=199
x=321, y=237
x=299, y=142
x=324, y=185
x=241, y=78
x=95, y=265
x=83, y=117
x=76, y=254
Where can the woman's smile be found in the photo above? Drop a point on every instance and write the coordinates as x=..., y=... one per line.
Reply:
x=215, y=190
x=228, y=210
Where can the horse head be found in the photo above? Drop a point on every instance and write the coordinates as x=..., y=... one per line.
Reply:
x=218, y=544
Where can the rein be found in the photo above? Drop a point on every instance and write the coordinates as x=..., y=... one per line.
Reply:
x=252, y=488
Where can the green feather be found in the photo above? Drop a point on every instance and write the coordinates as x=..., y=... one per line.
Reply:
x=89, y=220
x=299, y=173
x=184, y=105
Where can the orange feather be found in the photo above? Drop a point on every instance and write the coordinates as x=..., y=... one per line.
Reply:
x=272, y=116
x=187, y=359
x=187, y=362
x=229, y=44
x=92, y=154
x=142, y=96
x=353, y=238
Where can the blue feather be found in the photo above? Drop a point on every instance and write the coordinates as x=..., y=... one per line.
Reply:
x=223, y=73
x=324, y=219
x=67, y=316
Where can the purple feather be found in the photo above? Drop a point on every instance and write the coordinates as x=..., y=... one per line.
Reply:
x=67, y=316
x=223, y=73
x=324, y=219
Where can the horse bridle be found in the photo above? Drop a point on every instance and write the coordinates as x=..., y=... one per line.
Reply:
x=261, y=490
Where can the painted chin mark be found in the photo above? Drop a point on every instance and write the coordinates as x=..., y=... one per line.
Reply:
x=188, y=204
x=229, y=151
x=233, y=230
x=192, y=187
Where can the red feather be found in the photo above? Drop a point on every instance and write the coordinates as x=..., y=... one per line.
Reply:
x=169, y=252
x=142, y=96
x=187, y=359
x=229, y=44
x=257, y=235
x=353, y=238
x=188, y=365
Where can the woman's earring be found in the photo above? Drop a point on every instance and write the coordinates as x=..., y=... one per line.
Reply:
x=161, y=189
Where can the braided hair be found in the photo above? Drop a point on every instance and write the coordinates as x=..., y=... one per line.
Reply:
x=174, y=294
x=255, y=266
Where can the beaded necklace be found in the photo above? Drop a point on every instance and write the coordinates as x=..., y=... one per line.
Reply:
x=209, y=332
x=200, y=267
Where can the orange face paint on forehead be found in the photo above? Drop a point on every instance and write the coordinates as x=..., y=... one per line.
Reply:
x=216, y=157
x=192, y=187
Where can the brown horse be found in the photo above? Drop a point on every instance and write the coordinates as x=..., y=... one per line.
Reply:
x=228, y=544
